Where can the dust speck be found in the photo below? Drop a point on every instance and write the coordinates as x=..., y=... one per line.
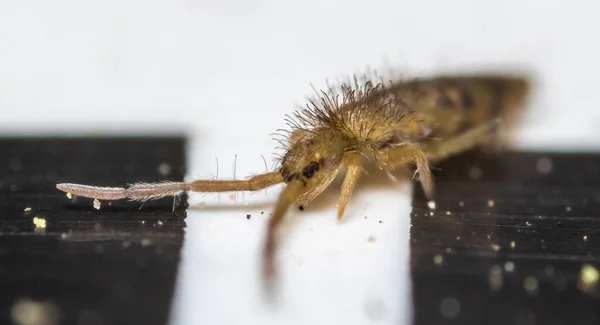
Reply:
x=461, y=204
x=513, y=244
x=585, y=238
x=509, y=266
x=69, y=195
x=159, y=223
x=568, y=209
x=530, y=285
x=96, y=204
x=495, y=247
x=495, y=278
x=29, y=312
x=431, y=205
x=448, y=213
x=27, y=209
x=544, y=165
x=588, y=278
x=380, y=221
x=164, y=169
x=202, y=204
x=450, y=307
x=371, y=239
x=248, y=216
x=232, y=196
x=490, y=203
x=475, y=173
x=438, y=259
x=146, y=242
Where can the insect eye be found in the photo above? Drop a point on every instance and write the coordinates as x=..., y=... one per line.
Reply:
x=309, y=171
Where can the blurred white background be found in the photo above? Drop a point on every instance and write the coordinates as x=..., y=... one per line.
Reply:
x=228, y=71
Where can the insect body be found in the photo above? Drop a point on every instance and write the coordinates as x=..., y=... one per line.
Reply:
x=393, y=125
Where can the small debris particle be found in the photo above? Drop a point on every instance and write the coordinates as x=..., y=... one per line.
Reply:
x=513, y=244
x=69, y=195
x=530, y=285
x=146, y=242
x=495, y=278
x=29, y=312
x=160, y=223
x=27, y=209
x=143, y=222
x=509, y=266
x=380, y=221
x=544, y=165
x=475, y=173
x=490, y=203
x=248, y=216
x=438, y=259
x=560, y=224
x=365, y=217
x=589, y=277
x=448, y=213
x=262, y=212
x=39, y=222
x=527, y=223
x=371, y=239
x=568, y=209
x=585, y=238
x=457, y=237
x=495, y=247
x=232, y=196
x=202, y=204
x=461, y=204
x=164, y=169
x=450, y=307
x=431, y=205
x=96, y=204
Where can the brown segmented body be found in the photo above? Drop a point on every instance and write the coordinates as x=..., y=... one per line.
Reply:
x=393, y=124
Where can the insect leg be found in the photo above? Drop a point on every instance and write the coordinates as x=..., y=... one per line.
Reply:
x=353, y=172
x=476, y=136
x=411, y=153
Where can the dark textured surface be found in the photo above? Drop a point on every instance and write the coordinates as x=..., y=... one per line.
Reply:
x=518, y=261
x=113, y=266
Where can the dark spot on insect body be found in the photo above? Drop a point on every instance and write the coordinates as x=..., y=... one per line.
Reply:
x=287, y=176
x=309, y=171
x=497, y=101
x=444, y=101
x=466, y=98
x=384, y=144
x=301, y=207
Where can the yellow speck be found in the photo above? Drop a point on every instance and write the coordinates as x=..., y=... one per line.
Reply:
x=202, y=204
x=39, y=222
x=96, y=204
x=530, y=285
x=589, y=275
x=513, y=244
x=490, y=203
x=438, y=259
x=69, y=195
x=232, y=196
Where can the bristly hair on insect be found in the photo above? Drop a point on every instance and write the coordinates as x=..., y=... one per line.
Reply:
x=398, y=123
